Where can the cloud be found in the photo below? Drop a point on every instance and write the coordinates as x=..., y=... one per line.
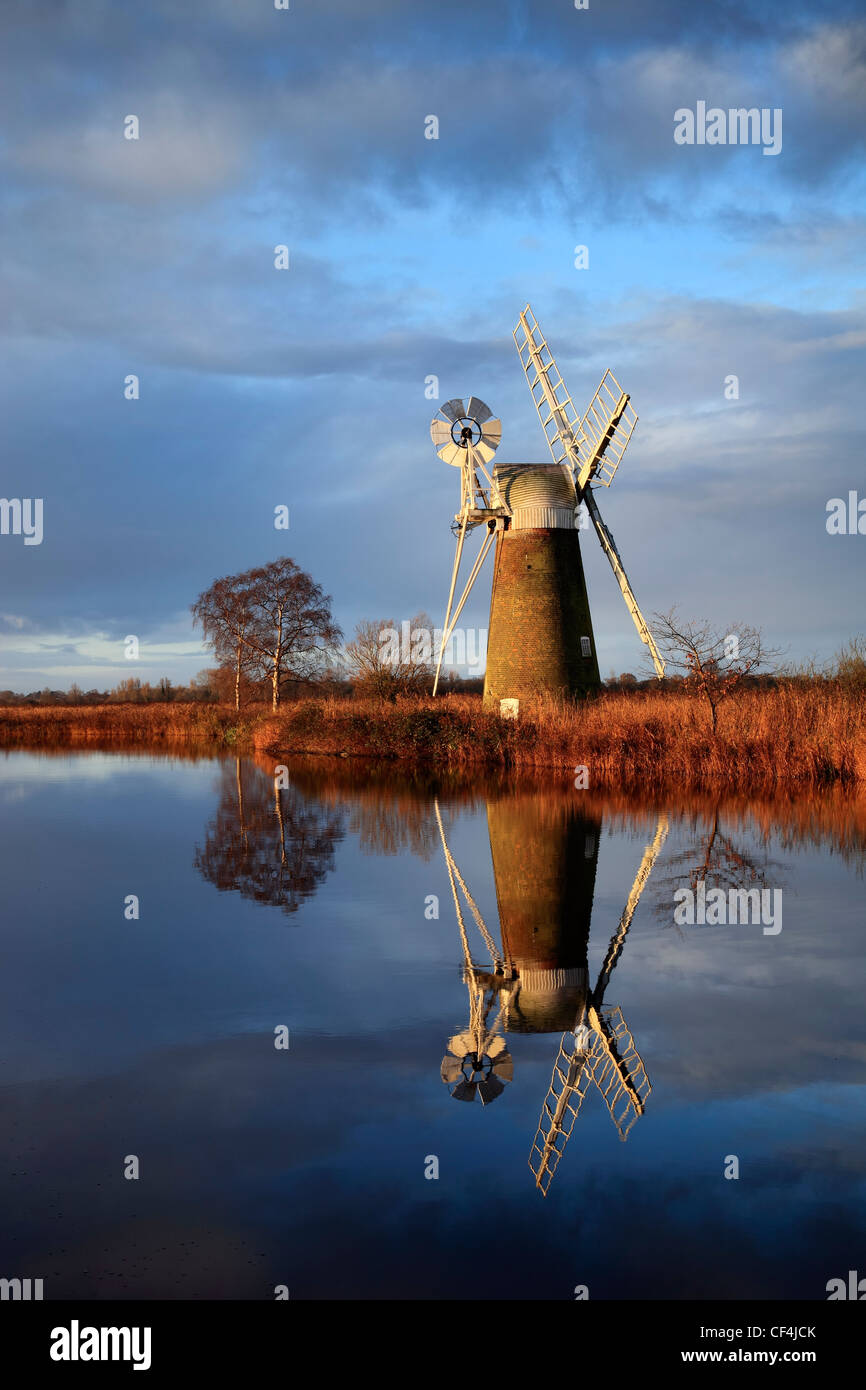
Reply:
x=182, y=151
x=533, y=114
x=411, y=258
x=337, y=430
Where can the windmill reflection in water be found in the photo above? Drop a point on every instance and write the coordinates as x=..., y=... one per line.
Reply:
x=544, y=864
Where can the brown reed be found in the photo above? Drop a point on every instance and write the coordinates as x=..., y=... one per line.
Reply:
x=790, y=735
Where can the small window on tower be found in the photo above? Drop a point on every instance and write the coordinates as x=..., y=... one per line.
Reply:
x=585, y=647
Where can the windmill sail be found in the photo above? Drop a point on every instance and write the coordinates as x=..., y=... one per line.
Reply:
x=592, y=447
x=600, y=1051
x=608, y=426
x=559, y=419
x=608, y=545
x=618, y=1070
x=571, y=1079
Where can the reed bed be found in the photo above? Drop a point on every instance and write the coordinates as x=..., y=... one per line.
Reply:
x=791, y=735
x=783, y=736
x=169, y=725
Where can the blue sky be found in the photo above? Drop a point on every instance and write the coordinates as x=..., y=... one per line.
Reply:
x=412, y=257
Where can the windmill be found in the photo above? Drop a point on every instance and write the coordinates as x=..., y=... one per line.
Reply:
x=544, y=871
x=598, y=1051
x=544, y=863
x=540, y=630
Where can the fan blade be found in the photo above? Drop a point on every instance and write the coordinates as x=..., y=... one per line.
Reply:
x=490, y=1089
x=477, y=410
x=450, y=1070
x=494, y=1046
x=465, y=1090
x=453, y=410
x=492, y=433
x=484, y=451
x=440, y=432
x=503, y=1067
x=452, y=453
x=461, y=1044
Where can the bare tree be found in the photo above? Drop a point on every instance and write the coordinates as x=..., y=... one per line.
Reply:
x=712, y=857
x=293, y=633
x=269, y=844
x=227, y=614
x=387, y=661
x=850, y=666
x=711, y=663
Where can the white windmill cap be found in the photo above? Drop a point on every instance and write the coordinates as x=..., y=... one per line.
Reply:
x=537, y=494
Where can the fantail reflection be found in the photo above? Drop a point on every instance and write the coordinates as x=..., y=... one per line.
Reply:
x=544, y=864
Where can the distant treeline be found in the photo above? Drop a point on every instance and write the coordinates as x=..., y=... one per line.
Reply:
x=215, y=687
x=363, y=674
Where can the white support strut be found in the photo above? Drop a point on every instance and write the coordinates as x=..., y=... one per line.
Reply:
x=608, y=545
x=451, y=621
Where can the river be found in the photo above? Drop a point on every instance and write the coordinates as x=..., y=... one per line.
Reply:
x=250, y=1042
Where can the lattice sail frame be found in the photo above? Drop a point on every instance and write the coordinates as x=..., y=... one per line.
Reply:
x=591, y=446
x=556, y=411
x=607, y=1058
x=571, y=1079
x=609, y=423
x=600, y=1050
x=619, y=1072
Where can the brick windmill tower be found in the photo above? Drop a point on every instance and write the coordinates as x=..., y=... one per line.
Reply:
x=540, y=638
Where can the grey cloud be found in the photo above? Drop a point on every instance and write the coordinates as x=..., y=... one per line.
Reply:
x=548, y=122
x=721, y=492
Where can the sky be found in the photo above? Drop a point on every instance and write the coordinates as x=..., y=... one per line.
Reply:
x=412, y=257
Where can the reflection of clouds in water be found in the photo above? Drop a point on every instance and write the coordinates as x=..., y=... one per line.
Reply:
x=754, y=1045
x=9, y=795
x=37, y=769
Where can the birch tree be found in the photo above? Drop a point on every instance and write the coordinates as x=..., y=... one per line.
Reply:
x=226, y=614
x=292, y=634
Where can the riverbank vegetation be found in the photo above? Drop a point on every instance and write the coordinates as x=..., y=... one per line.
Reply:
x=791, y=731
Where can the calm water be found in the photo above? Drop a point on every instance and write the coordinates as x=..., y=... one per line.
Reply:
x=315, y=910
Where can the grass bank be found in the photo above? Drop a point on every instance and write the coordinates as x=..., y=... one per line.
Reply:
x=791, y=735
